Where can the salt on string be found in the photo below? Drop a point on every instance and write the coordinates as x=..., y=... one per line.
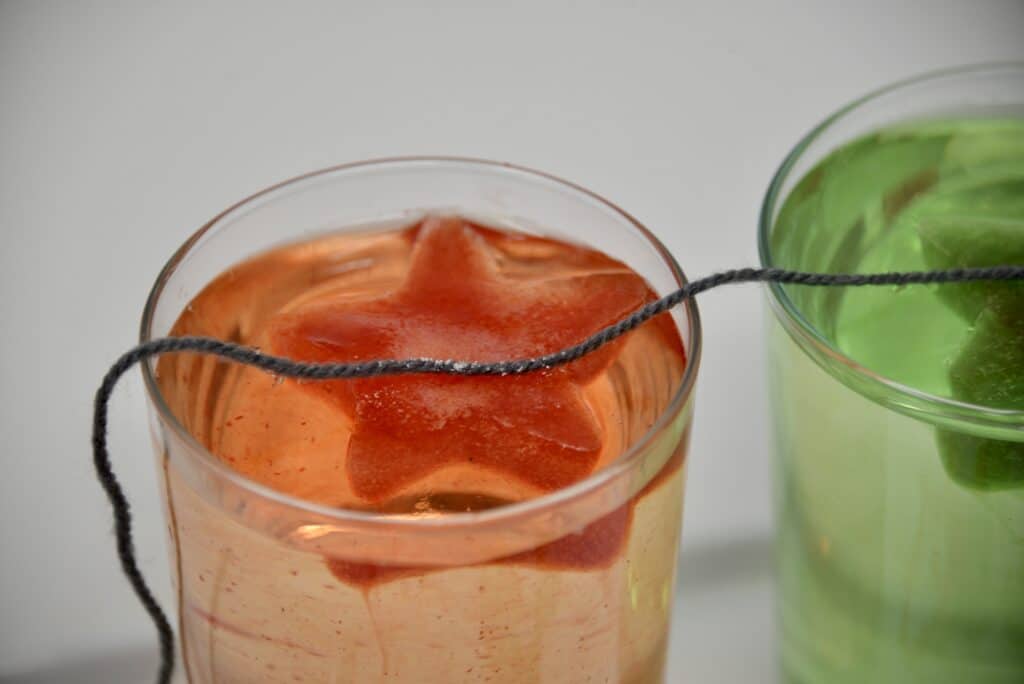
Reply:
x=282, y=367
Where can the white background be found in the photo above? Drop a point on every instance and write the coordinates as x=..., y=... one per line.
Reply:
x=125, y=127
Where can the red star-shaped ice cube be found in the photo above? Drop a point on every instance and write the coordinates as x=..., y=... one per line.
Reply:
x=458, y=302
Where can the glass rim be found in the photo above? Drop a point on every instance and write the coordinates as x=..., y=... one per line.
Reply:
x=875, y=386
x=455, y=520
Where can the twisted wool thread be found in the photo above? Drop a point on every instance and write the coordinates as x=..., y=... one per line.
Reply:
x=334, y=371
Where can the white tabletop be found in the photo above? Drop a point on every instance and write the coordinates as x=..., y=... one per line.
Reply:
x=124, y=128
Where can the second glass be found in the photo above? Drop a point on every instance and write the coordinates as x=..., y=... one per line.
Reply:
x=898, y=411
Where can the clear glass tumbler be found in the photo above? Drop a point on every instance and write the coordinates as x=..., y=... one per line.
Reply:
x=899, y=440
x=272, y=588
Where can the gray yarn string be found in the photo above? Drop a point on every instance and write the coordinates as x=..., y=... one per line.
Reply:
x=335, y=371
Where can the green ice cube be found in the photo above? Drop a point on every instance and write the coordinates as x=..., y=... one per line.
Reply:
x=981, y=463
x=973, y=223
x=988, y=371
x=960, y=242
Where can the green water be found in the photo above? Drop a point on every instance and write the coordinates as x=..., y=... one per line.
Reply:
x=902, y=542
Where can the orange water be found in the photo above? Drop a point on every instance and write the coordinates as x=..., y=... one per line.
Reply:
x=588, y=606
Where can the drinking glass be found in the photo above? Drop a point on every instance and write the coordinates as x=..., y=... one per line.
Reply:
x=900, y=508
x=258, y=574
